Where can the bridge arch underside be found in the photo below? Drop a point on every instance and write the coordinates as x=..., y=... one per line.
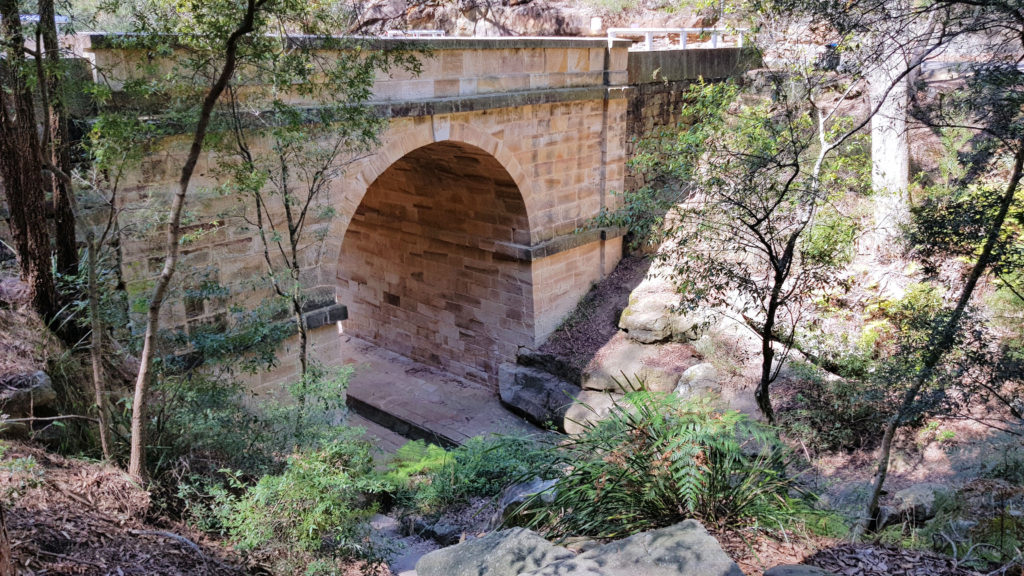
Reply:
x=418, y=268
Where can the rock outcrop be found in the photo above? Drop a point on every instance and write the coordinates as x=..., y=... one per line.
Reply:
x=685, y=549
x=504, y=553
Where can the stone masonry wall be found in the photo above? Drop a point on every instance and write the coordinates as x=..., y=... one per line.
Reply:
x=418, y=270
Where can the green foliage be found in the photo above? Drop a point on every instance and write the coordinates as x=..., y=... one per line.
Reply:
x=431, y=479
x=482, y=467
x=413, y=463
x=656, y=460
x=830, y=414
x=314, y=510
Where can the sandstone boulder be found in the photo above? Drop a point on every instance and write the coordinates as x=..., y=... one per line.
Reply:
x=591, y=406
x=624, y=365
x=535, y=394
x=514, y=496
x=652, y=316
x=685, y=549
x=504, y=553
x=919, y=503
x=698, y=379
x=21, y=393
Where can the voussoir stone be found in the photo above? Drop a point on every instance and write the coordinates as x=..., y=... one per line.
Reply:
x=535, y=394
x=503, y=553
x=797, y=570
x=685, y=549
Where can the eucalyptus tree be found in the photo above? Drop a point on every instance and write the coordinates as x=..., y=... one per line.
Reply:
x=285, y=163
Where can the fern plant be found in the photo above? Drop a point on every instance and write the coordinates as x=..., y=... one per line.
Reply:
x=656, y=460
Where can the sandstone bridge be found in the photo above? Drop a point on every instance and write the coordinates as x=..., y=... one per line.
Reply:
x=458, y=241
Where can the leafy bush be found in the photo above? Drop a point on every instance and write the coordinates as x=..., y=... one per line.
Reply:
x=431, y=479
x=316, y=509
x=835, y=414
x=658, y=459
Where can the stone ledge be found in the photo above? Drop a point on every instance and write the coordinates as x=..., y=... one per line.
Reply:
x=326, y=315
x=451, y=105
x=555, y=245
x=111, y=41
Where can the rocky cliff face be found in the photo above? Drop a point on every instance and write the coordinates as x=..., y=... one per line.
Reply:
x=521, y=17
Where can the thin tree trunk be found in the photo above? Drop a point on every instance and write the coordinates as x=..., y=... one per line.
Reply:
x=136, y=463
x=60, y=143
x=96, y=348
x=21, y=170
x=6, y=560
x=946, y=338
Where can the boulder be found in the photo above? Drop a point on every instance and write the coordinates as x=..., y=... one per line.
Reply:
x=504, y=553
x=623, y=364
x=698, y=379
x=652, y=315
x=685, y=549
x=535, y=394
x=513, y=496
x=591, y=406
x=918, y=503
x=22, y=393
x=797, y=570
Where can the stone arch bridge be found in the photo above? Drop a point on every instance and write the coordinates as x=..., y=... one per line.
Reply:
x=458, y=241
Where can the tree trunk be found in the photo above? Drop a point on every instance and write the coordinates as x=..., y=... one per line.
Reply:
x=96, y=349
x=6, y=559
x=890, y=155
x=136, y=462
x=60, y=143
x=945, y=340
x=21, y=170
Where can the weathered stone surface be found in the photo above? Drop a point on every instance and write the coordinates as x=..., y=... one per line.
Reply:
x=535, y=394
x=20, y=393
x=918, y=502
x=590, y=406
x=623, y=365
x=698, y=379
x=797, y=570
x=505, y=553
x=651, y=316
x=513, y=496
x=685, y=549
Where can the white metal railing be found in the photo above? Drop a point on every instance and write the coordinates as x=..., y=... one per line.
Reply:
x=650, y=33
x=414, y=34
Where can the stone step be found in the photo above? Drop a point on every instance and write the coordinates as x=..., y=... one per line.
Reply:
x=421, y=402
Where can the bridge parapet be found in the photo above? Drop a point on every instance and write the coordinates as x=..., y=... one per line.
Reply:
x=463, y=73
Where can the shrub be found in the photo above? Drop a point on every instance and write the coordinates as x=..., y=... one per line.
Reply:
x=431, y=479
x=835, y=414
x=657, y=459
x=317, y=510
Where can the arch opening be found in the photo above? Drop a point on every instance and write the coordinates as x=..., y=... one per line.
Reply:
x=418, y=268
